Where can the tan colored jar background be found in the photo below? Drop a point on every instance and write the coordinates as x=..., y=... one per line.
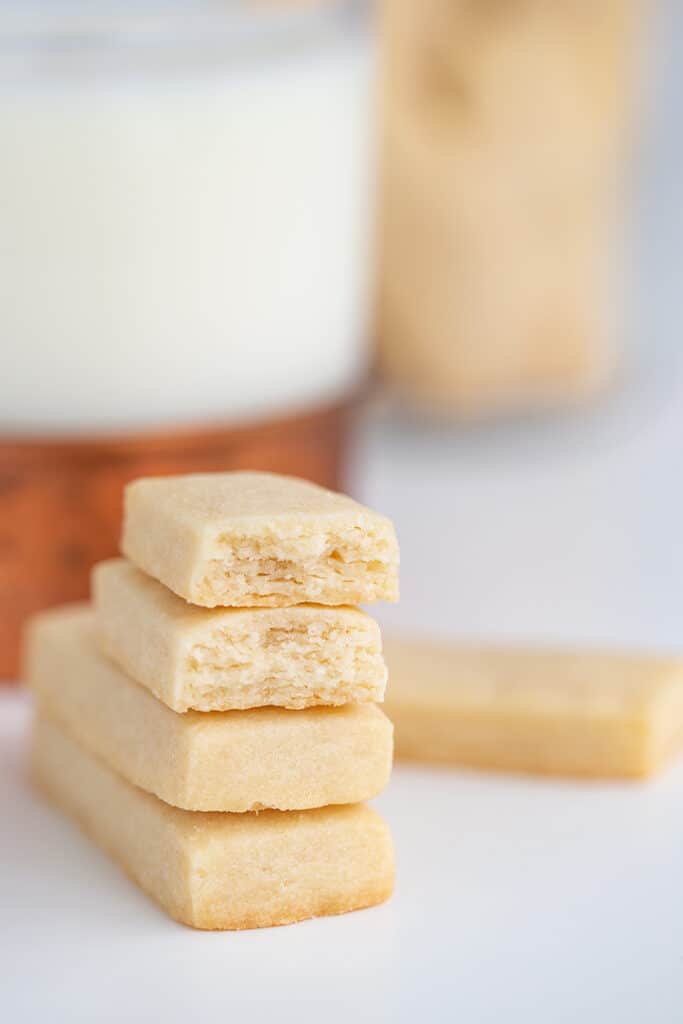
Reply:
x=504, y=124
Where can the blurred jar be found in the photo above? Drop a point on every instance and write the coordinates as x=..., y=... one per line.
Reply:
x=504, y=130
x=185, y=192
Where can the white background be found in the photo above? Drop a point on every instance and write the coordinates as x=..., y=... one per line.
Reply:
x=517, y=900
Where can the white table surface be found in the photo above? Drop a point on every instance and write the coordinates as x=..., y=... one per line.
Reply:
x=518, y=900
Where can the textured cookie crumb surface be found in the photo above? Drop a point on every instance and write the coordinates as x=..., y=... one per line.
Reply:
x=228, y=658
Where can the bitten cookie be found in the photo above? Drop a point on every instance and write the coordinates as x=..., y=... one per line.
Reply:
x=220, y=871
x=226, y=658
x=258, y=540
x=225, y=761
x=554, y=713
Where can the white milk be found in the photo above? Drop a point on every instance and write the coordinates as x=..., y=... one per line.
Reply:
x=184, y=217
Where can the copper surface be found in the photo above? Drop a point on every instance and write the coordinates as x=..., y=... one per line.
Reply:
x=60, y=500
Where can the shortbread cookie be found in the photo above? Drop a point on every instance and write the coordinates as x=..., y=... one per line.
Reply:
x=258, y=540
x=225, y=761
x=595, y=715
x=225, y=658
x=220, y=870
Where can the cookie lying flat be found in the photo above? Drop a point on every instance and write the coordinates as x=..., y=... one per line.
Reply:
x=220, y=870
x=594, y=715
x=225, y=658
x=224, y=761
x=258, y=540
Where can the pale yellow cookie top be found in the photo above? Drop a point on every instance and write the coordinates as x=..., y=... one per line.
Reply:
x=220, y=500
x=527, y=680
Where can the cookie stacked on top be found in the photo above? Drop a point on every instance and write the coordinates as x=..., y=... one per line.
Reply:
x=212, y=720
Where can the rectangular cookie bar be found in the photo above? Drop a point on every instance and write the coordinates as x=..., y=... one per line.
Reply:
x=226, y=658
x=554, y=713
x=224, y=761
x=220, y=871
x=258, y=540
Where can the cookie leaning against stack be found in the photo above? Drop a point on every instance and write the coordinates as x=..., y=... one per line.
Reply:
x=163, y=727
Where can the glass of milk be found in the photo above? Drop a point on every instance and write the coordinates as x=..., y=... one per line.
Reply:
x=185, y=192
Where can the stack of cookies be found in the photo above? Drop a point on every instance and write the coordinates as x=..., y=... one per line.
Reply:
x=212, y=720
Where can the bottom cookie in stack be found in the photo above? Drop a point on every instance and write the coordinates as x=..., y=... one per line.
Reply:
x=219, y=870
